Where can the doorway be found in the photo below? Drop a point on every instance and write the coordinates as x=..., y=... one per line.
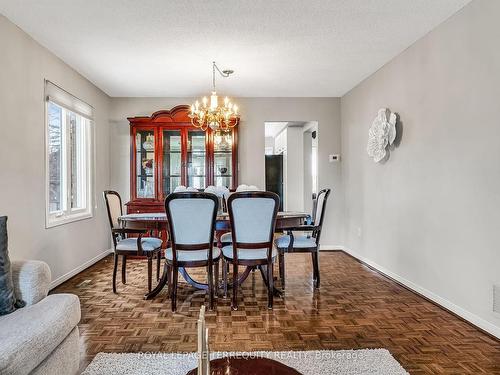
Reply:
x=291, y=169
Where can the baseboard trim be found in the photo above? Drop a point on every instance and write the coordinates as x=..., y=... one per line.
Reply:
x=330, y=247
x=469, y=317
x=79, y=269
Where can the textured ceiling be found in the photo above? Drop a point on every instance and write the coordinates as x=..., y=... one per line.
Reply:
x=277, y=48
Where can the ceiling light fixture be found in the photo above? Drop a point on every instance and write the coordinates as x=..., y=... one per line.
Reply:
x=212, y=115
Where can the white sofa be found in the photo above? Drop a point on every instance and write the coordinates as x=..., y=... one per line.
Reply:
x=42, y=337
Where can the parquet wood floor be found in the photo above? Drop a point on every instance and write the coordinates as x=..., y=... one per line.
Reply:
x=356, y=307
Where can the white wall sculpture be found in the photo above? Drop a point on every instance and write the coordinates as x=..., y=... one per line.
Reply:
x=382, y=134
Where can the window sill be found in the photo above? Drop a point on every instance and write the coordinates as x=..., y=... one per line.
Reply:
x=55, y=222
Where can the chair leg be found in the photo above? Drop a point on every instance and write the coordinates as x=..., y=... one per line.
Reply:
x=150, y=272
x=124, y=269
x=169, y=281
x=315, y=260
x=210, y=270
x=175, y=272
x=115, y=268
x=225, y=265
x=235, y=287
x=216, y=284
x=281, y=259
x=158, y=265
x=270, y=285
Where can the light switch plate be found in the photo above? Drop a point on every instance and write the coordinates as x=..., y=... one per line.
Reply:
x=333, y=158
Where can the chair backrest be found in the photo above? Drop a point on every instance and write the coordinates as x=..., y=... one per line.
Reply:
x=114, y=207
x=253, y=219
x=191, y=221
x=319, y=209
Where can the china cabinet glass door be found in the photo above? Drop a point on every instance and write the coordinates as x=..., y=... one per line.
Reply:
x=172, y=160
x=196, y=159
x=145, y=163
x=223, y=157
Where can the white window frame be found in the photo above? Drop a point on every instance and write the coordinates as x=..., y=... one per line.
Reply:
x=69, y=105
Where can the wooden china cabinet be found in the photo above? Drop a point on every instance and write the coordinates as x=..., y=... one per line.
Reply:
x=168, y=151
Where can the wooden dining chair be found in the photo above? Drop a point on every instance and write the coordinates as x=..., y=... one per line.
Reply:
x=304, y=243
x=252, y=217
x=191, y=221
x=124, y=246
x=226, y=239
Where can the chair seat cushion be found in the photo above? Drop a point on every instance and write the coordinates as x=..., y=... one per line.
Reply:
x=30, y=334
x=130, y=244
x=192, y=255
x=300, y=241
x=226, y=238
x=247, y=254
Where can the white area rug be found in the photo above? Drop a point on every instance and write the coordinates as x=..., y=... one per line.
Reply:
x=321, y=362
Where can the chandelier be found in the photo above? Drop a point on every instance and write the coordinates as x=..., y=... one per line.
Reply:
x=211, y=115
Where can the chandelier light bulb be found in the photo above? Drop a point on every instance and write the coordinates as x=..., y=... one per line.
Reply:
x=214, y=102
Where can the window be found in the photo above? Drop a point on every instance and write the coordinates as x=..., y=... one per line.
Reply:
x=69, y=157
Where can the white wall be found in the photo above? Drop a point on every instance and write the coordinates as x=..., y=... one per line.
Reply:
x=431, y=214
x=23, y=67
x=269, y=145
x=255, y=111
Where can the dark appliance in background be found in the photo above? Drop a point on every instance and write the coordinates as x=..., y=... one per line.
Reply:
x=274, y=176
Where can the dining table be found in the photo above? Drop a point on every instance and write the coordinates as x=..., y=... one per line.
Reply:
x=157, y=221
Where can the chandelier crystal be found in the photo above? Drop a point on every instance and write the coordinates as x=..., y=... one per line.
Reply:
x=211, y=114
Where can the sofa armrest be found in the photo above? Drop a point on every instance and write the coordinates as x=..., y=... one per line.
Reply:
x=31, y=280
